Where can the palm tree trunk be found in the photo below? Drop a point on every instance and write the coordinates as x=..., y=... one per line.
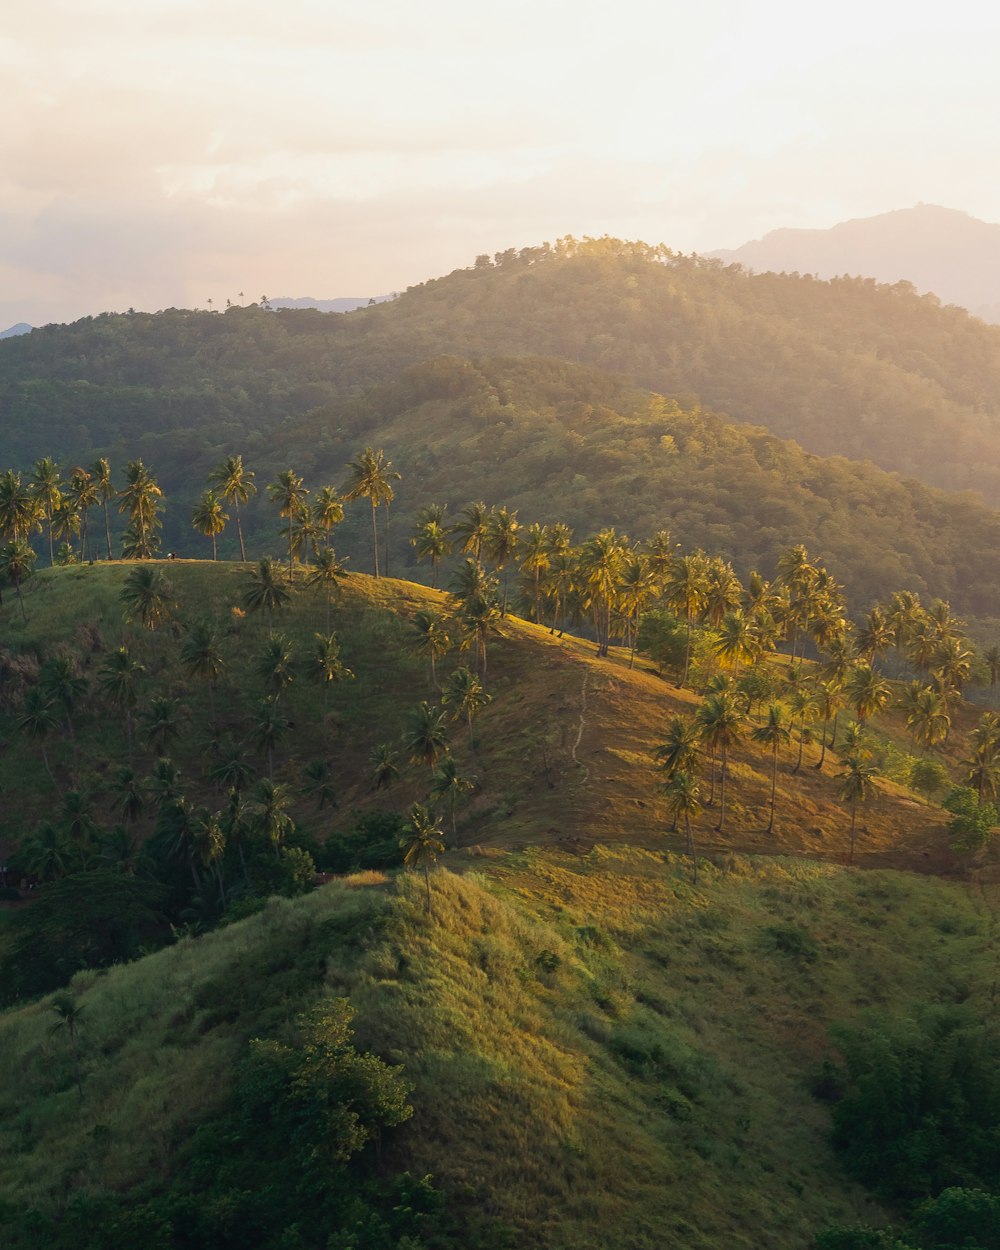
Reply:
x=427, y=886
x=239, y=531
x=374, y=537
x=822, y=753
x=385, y=568
x=854, y=818
x=774, y=787
x=722, y=790
x=45, y=761
x=107, y=528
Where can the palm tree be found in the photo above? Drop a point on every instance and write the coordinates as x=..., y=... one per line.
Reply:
x=232, y=772
x=17, y=563
x=856, y=786
x=265, y=591
x=326, y=572
x=426, y=735
x=423, y=843
x=721, y=725
x=328, y=511
x=268, y=806
x=431, y=639
x=636, y=587
x=100, y=471
x=318, y=784
x=46, y=486
x=371, y=478
x=119, y=677
x=685, y=590
x=867, y=691
x=478, y=617
x=471, y=529
x=237, y=486
x=269, y=728
x=288, y=492
x=138, y=497
x=68, y=1016
x=678, y=752
x=209, y=519
x=502, y=543
x=991, y=658
x=145, y=595
x=201, y=655
x=682, y=793
x=325, y=665
x=829, y=700
x=773, y=733
x=275, y=666
x=448, y=785
x=47, y=854
x=928, y=719
x=384, y=763
x=129, y=801
x=432, y=542
x=37, y=720
x=465, y=695
x=63, y=683
x=160, y=723
x=602, y=562
x=83, y=495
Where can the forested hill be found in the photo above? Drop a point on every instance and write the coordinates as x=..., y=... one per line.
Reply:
x=846, y=367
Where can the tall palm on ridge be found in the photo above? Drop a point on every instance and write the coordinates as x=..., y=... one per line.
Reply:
x=371, y=477
x=237, y=486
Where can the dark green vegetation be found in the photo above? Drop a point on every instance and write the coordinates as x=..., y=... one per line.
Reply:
x=847, y=368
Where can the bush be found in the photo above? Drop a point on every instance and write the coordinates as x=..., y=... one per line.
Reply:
x=972, y=822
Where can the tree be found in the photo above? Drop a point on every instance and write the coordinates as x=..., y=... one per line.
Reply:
x=502, y=543
x=465, y=695
x=209, y=519
x=128, y=795
x=685, y=590
x=431, y=639
x=868, y=691
x=325, y=665
x=237, y=486
x=119, y=677
x=775, y=732
x=201, y=655
x=37, y=720
x=857, y=785
x=928, y=719
x=83, y=494
x=425, y=736
x=423, y=843
x=326, y=572
x=275, y=665
x=100, y=471
x=682, y=792
x=18, y=507
x=269, y=727
x=678, y=752
x=69, y=1014
x=160, y=723
x=269, y=804
x=371, y=478
x=721, y=726
x=46, y=487
x=288, y=492
x=265, y=591
x=432, y=542
x=139, y=498
x=17, y=563
x=145, y=595
x=384, y=762
x=448, y=785
x=318, y=784
x=471, y=529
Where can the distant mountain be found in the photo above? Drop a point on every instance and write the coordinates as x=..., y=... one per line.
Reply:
x=22, y=327
x=942, y=250
x=346, y=304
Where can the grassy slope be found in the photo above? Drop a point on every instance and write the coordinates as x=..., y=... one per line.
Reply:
x=604, y=1053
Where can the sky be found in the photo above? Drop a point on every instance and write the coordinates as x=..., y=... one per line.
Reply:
x=159, y=153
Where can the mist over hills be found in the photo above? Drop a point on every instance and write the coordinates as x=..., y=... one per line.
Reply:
x=942, y=250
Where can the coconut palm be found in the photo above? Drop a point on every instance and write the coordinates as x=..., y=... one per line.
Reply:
x=17, y=563
x=100, y=472
x=423, y=844
x=327, y=571
x=991, y=658
x=685, y=590
x=237, y=486
x=602, y=563
x=64, y=684
x=269, y=810
x=288, y=492
x=46, y=487
x=275, y=665
x=144, y=595
x=209, y=519
x=19, y=510
x=432, y=542
x=325, y=665
x=384, y=762
x=471, y=528
x=37, y=720
x=118, y=677
x=139, y=498
x=318, y=784
x=129, y=802
x=201, y=655
x=327, y=511
x=69, y=1014
x=269, y=727
x=232, y=771
x=448, y=785
x=857, y=785
x=160, y=723
x=83, y=494
x=721, y=724
x=867, y=691
x=371, y=477
x=678, y=752
x=501, y=544
x=431, y=638
x=47, y=854
x=928, y=719
x=774, y=732
x=425, y=736
x=682, y=793
x=265, y=591
x=535, y=558
x=465, y=695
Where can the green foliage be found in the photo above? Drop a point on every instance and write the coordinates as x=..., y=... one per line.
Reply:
x=921, y=1109
x=859, y=1238
x=972, y=822
x=959, y=1219
x=928, y=777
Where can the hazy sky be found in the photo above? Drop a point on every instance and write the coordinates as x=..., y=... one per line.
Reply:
x=159, y=152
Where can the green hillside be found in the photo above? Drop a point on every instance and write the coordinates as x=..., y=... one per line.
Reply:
x=845, y=367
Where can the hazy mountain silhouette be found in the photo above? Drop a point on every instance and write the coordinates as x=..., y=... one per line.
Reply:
x=942, y=250
x=22, y=327
x=345, y=304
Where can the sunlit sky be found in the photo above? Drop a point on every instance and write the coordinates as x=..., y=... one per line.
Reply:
x=167, y=152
